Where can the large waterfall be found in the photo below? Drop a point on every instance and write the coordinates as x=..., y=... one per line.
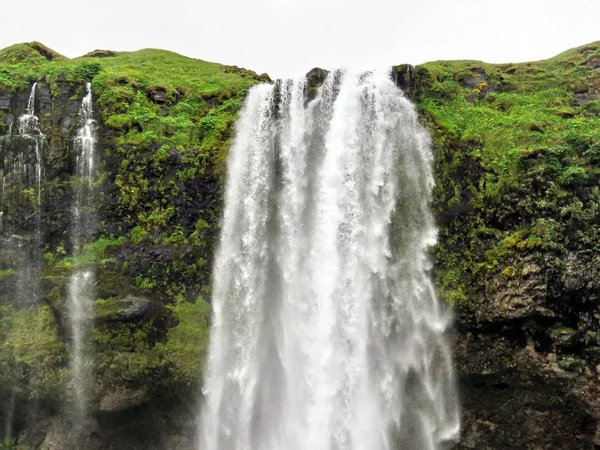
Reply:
x=84, y=224
x=327, y=334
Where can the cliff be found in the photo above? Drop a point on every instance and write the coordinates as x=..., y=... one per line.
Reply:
x=516, y=163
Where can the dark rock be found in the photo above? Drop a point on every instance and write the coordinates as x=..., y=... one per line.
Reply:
x=137, y=307
x=157, y=94
x=99, y=54
x=536, y=127
x=5, y=99
x=44, y=96
x=548, y=408
x=518, y=296
x=131, y=308
x=475, y=78
x=265, y=78
x=122, y=398
x=46, y=52
x=316, y=77
x=405, y=78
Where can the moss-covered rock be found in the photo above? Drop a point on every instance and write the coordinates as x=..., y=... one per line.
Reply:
x=165, y=122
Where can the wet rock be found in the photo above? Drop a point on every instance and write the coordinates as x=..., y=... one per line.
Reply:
x=5, y=100
x=404, y=77
x=34, y=435
x=546, y=408
x=593, y=61
x=122, y=399
x=563, y=336
x=44, y=96
x=316, y=77
x=137, y=307
x=581, y=98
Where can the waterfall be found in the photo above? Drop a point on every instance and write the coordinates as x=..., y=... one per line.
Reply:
x=28, y=125
x=21, y=203
x=20, y=224
x=327, y=334
x=81, y=285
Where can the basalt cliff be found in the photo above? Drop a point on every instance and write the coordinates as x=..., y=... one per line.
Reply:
x=516, y=202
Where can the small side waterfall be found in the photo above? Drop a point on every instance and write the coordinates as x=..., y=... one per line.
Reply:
x=327, y=334
x=21, y=202
x=20, y=220
x=29, y=128
x=84, y=225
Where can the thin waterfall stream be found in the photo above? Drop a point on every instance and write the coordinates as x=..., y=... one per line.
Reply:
x=327, y=333
x=84, y=224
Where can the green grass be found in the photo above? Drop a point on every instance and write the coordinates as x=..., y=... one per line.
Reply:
x=158, y=106
x=520, y=154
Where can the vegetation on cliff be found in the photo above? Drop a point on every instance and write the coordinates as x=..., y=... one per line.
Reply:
x=165, y=122
x=517, y=170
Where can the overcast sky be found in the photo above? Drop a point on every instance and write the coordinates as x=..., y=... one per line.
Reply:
x=289, y=37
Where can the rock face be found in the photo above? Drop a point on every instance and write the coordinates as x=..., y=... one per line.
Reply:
x=517, y=211
x=516, y=201
x=161, y=142
x=405, y=78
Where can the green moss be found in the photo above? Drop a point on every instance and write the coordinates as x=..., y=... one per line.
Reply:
x=516, y=171
x=187, y=343
x=138, y=235
x=6, y=273
x=94, y=253
x=32, y=358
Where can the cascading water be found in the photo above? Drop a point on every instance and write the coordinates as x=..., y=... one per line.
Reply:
x=29, y=128
x=20, y=218
x=81, y=286
x=327, y=334
x=20, y=202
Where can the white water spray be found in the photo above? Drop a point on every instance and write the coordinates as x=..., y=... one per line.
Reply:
x=81, y=286
x=327, y=334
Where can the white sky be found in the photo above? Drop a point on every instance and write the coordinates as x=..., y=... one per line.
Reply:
x=289, y=37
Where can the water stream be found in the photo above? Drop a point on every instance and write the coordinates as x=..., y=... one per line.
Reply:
x=327, y=334
x=80, y=294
